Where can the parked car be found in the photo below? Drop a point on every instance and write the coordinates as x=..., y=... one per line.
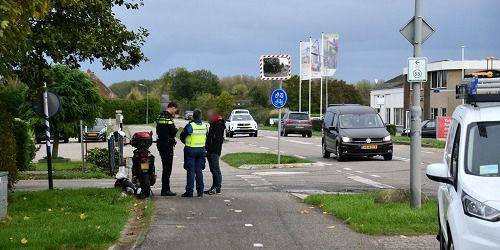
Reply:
x=241, y=124
x=188, y=115
x=354, y=130
x=42, y=138
x=97, y=132
x=428, y=129
x=469, y=176
x=296, y=123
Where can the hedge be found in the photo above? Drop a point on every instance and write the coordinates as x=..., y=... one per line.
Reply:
x=8, y=147
x=391, y=128
x=26, y=148
x=134, y=111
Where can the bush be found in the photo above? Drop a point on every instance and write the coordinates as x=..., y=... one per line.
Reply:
x=261, y=115
x=99, y=157
x=391, y=128
x=134, y=111
x=26, y=148
x=8, y=147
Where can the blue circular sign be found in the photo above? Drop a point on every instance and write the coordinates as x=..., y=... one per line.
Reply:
x=279, y=98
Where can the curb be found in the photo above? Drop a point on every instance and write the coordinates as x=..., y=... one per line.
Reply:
x=273, y=166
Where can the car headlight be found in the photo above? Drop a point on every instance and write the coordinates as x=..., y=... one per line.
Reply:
x=475, y=208
x=346, y=139
x=387, y=138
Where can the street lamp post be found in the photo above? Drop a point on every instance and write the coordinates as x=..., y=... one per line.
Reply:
x=463, y=58
x=147, y=102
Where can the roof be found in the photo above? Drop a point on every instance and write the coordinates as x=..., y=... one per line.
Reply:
x=396, y=82
x=468, y=113
x=351, y=109
x=458, y=65
x=104, y=91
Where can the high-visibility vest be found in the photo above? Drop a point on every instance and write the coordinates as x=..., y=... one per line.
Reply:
x=198, y=138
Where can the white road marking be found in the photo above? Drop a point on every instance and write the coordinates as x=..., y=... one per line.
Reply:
x=349, y=174
x=266, y=148
x=299, y=142
x=237, y=211
x=374, y=175
x=318, y=146
x=227, y=200
x=338, y=171
x=359, y=172
x=270, y=173
x=427, y=152
x=299, y=156
x=272, y=137
x=258, y=245
x=369, y=182
x=348, y=169
x=248, y=225
x=251, y=145
x=400, y=158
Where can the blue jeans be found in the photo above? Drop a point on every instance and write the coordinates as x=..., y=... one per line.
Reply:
x=194, y=163
x=213, y=163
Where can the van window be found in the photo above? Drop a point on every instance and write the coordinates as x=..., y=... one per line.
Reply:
x=298, y=116
x=328, y=119
x=482, y=158
x=455, y=154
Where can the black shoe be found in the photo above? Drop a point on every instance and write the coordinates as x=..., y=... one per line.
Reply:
x=186, y=194
x=200, y=194
x=210, y=191
x=168, y=193
x=217, y=191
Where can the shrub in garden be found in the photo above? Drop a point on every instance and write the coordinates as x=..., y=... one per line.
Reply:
x=391, y=128
x=99, y=157
x=134, y=111
x=26, y=148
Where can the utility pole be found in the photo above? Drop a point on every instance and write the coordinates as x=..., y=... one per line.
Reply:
x=47, y=136
x=310, y=74
x=463, y=59
x=300, y=76
x=416, y=116
x=147, y=102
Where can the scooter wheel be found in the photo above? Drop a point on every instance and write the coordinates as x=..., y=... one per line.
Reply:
x=145, y=184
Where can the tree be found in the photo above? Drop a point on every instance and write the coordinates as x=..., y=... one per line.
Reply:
x=225, y=103
x=135, y=95
x=188, y=85
x=80, y=101
x=70, y=32
x=259, y=95
x=240, y=90
x=364, y=87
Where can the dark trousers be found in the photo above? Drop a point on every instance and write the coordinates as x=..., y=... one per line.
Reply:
x=213, y=163
x=194, y=163
x=167, y=156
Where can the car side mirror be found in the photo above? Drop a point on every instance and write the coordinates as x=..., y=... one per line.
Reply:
x=438, y=172
x=332, y=128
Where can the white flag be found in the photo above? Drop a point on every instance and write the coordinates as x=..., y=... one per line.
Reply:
x=330, y=52
x=305, y=60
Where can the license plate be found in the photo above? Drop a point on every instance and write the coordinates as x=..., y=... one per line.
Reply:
x=145, y=166
x=369, y=146
x=299, y=127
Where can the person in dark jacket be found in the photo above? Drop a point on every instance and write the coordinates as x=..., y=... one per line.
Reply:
x=166, y=131
x=215, y=138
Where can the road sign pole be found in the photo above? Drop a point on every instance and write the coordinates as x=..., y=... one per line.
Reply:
x=300, y=77
x=416, y=112
x=279, y=129
x=47, y=136
x=310, y=74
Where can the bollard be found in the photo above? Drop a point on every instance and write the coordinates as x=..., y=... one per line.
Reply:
x=3, y=193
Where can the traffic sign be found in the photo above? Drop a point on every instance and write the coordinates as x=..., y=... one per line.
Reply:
x=54, y=104
x=417, y=69
x=279, y=98
x=408, y=31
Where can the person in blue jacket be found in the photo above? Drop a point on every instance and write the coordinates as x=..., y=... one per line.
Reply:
x=194, y=136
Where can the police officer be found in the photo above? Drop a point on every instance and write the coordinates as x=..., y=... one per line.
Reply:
x=194, y=137
x=166, y=131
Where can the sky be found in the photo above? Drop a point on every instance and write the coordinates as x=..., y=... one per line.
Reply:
x=228, y=37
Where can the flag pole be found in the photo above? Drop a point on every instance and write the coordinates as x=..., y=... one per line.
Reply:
x=300, y=76
x=310, y=74
x=321, y=81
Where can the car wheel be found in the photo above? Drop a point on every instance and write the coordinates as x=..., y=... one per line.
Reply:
x=324, y=151
x=303, y=135
x=255, y=134
x=387, y=157
x=309, y=134
x=104, y=139
x=66, y=140
x=340, y=156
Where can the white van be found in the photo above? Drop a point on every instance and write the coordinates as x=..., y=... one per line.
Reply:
x=469, y=193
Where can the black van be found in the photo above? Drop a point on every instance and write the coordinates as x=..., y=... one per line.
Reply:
x=354, y=130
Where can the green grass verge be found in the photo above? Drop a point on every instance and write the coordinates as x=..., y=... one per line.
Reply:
x=60, y=166
x=426, y=142
x=65, y=174
x=87, y=218
x=363, y=215
x=238, y=159
x=274, y=128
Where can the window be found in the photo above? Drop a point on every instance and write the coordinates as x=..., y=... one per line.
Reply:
x=398, y=116
x=455, y=155
x=298, y=116
x=388, y=115
x=328, y=119
x=408, y=116
x=483, y=141
x=434, y=113
x=360, y=121
x=444, y=112
x=438, y=79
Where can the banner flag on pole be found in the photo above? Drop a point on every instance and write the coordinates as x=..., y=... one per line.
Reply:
x=315, y=60
x=330, y=52
x=305, y=62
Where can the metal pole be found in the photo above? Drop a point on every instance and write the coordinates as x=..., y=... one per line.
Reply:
x=416, y=112
x=326, y=91
x=47, y=136
x=321, y=81
x=463, y=59
x=279, y=129
x=310, y=74
x=147, y=105
x=81, y=145
x=300, y=76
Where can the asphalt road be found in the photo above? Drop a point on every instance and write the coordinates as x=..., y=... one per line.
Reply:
x=257, y=208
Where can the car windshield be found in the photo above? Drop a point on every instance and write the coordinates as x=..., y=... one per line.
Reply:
x=360, y=121
x=298, y=116
x=237, y=118
x=96, y=128
x=482, y=158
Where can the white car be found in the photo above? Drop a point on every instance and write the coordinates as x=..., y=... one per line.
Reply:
x=469, y=193
x=240, y=111
x=241, y=124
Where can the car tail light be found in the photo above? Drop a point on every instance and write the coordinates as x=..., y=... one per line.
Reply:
x=289, y=121
x=309, y=122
